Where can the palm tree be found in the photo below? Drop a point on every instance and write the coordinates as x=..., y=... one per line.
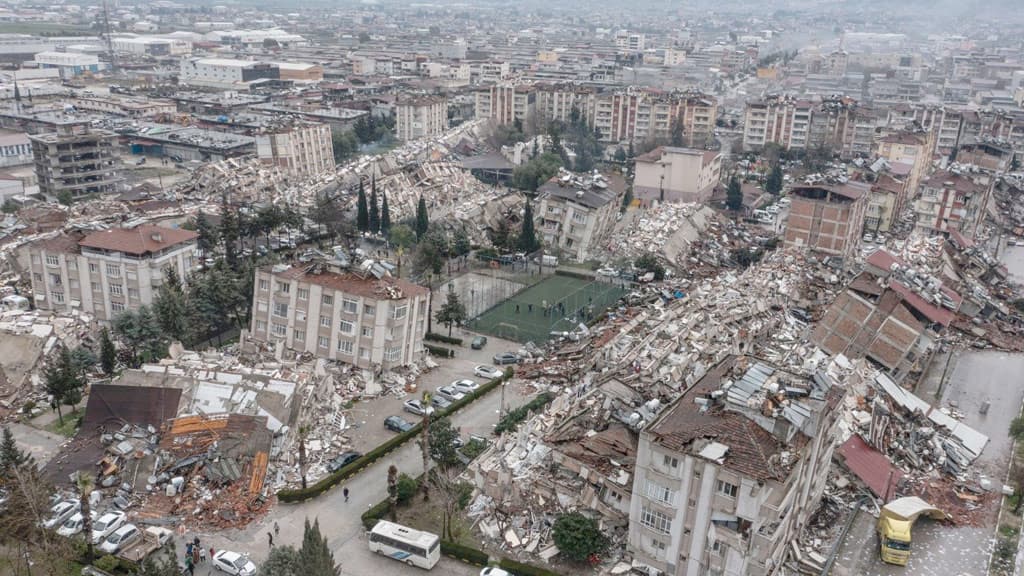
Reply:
x=425, y=444
x=303, y=432
x=86, y=484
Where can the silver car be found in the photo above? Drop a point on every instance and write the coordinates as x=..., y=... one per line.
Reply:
x=120, y=539
x=449, y=393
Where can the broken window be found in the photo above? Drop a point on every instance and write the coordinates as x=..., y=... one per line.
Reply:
x=58, y=297
x=116, y=307
x=261, y=325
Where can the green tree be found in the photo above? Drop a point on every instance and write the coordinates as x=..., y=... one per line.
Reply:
x=345, y=145
x=650, y=263
x=165, y=565
x=627, y=198
x=528, y=241
x=282, y=561
x=362, y=210
x=140, y=335
x=11, y=456
x=677, y=132
x=63, y=380
x=461, y=244
x=230, y=231
x=9, y=207
x=108, y=353
x=171, y=306
x=536, y=172
x=773, y=185
x=208, y=236
x=1017, y=428
x=330, y=217
x=579, y=538
x=452, y=312
x=432, y=250
x=502, y=237
x=86, y=484
x=406, y=487
x=734, y=195
x=422, y=218
x=442, y=442
x=385, y=214
x=393, y=492
x=620, y=154
x=374, y=209
x=315, y=556
x=403, y=236
x=65, y=197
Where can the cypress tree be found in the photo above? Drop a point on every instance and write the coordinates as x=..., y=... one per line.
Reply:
x=374, y=208
x=362, y=212
x=385, y=215
x=527, y=235
x=315, y=556
x=108, y=354
x=422, y=220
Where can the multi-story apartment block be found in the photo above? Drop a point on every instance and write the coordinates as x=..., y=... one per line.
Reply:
x=424, y=117
x=302, y=149
x=107, y=272
x=76, y=159
x=912, y=148
x=577, y=215
x=728, y=475
x=668, y=174
x=952, y=202
x=782, y=120
x=366, y=319
x=827, y=219
x=887, y=191
x=506, y=103
x=630, y=42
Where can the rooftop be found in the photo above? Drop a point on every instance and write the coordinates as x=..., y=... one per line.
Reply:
x=386, y=288
x=141, y=240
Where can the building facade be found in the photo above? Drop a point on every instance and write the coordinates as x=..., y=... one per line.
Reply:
x=224, y=72
x=302, y=149
x=726, y=478
x=370, y=322
x=952, y=202
x=668, y=174
x=76, y=160
x=827, y=219
x=575, y=216
x=107, y=272
x=421, y=118
x=70, y=64
x=506, y=103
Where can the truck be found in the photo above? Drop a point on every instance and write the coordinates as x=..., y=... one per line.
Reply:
x=894, y=523
x=153, y=538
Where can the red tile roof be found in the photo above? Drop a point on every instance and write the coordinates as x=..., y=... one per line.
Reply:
x=369, y=287
x=930, y=311
x=871, y=466
x=141, y=240
x=883, y=260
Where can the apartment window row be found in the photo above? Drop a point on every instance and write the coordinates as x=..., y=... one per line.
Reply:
x=52, y=261
x=392, y=354
x=726, y=489
x=346, y=347
x=659, y=493
x=655, y=520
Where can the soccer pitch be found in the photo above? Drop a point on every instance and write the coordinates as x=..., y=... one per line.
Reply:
x=569, y=301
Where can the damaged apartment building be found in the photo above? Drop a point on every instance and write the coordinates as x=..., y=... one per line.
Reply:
x=727, y=476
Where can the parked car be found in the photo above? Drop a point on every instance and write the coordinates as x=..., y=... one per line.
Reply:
x=120, y=538
x=492, y=571
x=449, y=393
x=440, y=402
x=342, y=460
x=466, y=386
x=607, y=271
x=397, y=424
x=60, y=513
x=414, y=407
x=73, y=525
x=485, y=371
x=233, y=563
x=106, y=524
x=506, y=358
x=478, y=342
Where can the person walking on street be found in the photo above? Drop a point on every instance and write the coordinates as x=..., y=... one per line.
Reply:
x=202, y=555
x=270, y=539
x=189, y=565
x=345, y=492
x=277, y=529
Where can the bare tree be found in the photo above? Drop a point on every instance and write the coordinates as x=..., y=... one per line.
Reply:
x=85, y=485
x=425, y=443
x=393, y=491
x=453, y=493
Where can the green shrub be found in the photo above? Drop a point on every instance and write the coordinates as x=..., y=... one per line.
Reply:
x=466, y=553
x=439, y=351
x=514, y=417
x=473, y=448
x=407, y=487
x=375, y=513
x=108, y=563
x=442, y=338
x=520, y=569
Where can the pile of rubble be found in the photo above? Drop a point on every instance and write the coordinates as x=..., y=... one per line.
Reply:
x=668, y=230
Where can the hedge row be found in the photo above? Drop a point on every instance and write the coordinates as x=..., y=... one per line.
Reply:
x=574, y=274
x=465, y=553
x=442, y=338
x=439, y=351
x=332, y=480
x=520, y=569
x=513, y=418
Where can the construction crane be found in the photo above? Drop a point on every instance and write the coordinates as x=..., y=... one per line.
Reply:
x=109, y=38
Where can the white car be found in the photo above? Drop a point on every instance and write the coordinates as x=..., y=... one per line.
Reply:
x=492, y=571
x=449, y=393
x=233, y=563
x=120, y=539
x=60, y=513
x=465, y=386
x=485, y=371
x=607, y=271
x=106, y=524
x=73, y=525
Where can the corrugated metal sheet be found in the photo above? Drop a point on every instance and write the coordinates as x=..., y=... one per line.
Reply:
x=870, y=465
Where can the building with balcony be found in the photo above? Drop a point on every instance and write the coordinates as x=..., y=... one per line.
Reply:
x=827, y=219
x=669, y=174
x=76, y=160
x=303, y=149
x=728, y=475
x=363, y=317
x=506, y=103
x=913, y=148
x=417, y=118
x=107, y=272
x=576, y=214
x=952, y=201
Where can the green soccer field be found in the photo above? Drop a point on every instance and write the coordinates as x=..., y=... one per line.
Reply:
x=523, y=318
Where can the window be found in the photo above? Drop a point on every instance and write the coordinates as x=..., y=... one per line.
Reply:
x=369, y=310
x=133, y=293
x=400, y=311
x=367, y=331
x=726, y=489
x=113, y=270
x=655, y=520
x=300, y=315
x=303, y=293
x=279, y=329
x=323, y=341
x=657, y=544
x=284, y=287
x=281, y=309
x=52, y=261
x=116, y=307
x=116, y=290
x=349, y=306
x=97, y=287
x=55, y=279
x=261, y=325
x=325, y=321
x=716, y=548
x=93, y=267
x=346, y=327
x=655, y=491
x=57, y=297
x=345, y=347
x=327, y=300
x=671, y=462
x=299, y=336
x=364, y=353
x=264, y=285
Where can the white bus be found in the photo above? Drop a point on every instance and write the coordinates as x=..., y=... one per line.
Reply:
x=413, y=547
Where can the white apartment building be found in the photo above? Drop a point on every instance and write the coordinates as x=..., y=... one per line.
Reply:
x=506, y=103
x=668, y=174
x=729, y=475
x=630, y=42
x=107, y=272
x=360, y=318
x=417, y=118
x=575, y=216
x=151, y=46
x=302, y=149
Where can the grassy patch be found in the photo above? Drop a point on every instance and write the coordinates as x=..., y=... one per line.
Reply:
x=70, y=426
x=429, y=516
